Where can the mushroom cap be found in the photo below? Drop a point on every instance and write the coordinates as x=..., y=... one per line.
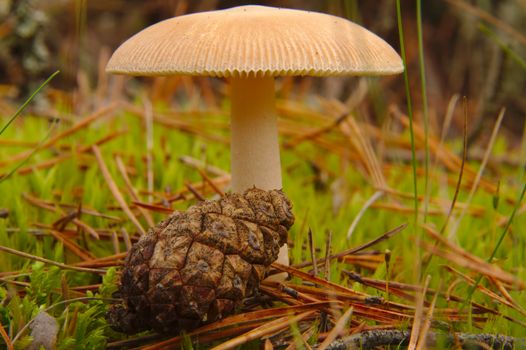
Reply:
x=257, y=41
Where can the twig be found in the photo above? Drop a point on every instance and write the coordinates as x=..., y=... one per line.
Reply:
x=373, y=338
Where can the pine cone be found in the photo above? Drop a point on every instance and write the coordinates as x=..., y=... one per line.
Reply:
x=197, y=266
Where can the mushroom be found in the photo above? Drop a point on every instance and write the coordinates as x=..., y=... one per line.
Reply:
x=251, y=45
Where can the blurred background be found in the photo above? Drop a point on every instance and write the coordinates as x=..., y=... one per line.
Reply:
x=472, y=48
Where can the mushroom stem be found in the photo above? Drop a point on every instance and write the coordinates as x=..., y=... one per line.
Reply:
x=255, y=148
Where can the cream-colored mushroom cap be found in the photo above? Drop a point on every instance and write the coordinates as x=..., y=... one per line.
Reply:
x=255, y=40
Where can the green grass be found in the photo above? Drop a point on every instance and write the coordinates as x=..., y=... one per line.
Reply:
x=78, y=181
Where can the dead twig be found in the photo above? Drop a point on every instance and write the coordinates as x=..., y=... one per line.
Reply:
x=373, y=338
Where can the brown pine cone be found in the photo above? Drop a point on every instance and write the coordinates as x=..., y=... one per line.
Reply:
x=197, y=266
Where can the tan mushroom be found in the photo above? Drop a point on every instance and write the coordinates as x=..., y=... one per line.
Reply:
x=251, y=45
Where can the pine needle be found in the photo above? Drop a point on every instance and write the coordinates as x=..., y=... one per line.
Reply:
x=115, y=190
x=50, y=262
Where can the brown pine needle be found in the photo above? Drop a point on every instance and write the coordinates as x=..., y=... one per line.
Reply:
x=115, y=190
x=317, y=132
x=417, y=321
x=50, y=262
x=241, y=319
x=363, y=146
x=196, y=194
x=77, y=152
x=337, y=329
x=72, y=246
x=110, y=260
x=427, y=324
x=313, y=254
x=78, y=126
x=198, y=164
x=153, y=207
x=502, y=289
x=6, y=338
x=465, y=259
x=49, y=206
x=131, y=191
x=327, y=262
x=503, y=300
x=305, y=336
x=377, y=240
x=316, y=280
x=202, y=339
x=265, y=329
x=211, y=182
x=126, y=239
x=450, y=160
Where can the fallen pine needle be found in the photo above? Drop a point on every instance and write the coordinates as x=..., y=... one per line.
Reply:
x=115, y=190
x=131, y=190
x=427, y=324
x=417, y=321
x=50, y=262
x=337, y=329
x=6, y=338
x=263, y=330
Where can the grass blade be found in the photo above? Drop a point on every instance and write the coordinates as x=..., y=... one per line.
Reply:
x=424, y=103
x=32, y=152
x=409, y=106
x=28, y=101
